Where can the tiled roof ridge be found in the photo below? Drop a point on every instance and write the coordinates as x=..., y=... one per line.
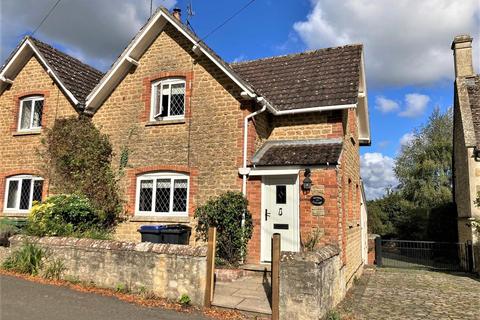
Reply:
x=76, y=60
x=298, y=54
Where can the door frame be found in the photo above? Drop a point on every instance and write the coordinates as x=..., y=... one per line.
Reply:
x=296, y=206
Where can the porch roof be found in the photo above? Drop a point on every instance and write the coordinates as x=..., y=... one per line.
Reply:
x=298, y=152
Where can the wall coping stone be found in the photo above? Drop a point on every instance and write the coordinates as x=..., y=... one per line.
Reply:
x=161, y=248
x=317, y=256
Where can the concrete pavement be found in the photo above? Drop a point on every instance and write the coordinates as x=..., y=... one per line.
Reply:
x=25, y=300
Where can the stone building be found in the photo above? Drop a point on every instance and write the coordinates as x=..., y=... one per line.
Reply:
x=285, y=131
x=466, y=139
x=38, y=84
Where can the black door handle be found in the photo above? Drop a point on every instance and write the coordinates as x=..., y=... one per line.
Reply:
x=266, y=215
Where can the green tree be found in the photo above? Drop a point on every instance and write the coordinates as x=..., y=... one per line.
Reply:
x=424, y=166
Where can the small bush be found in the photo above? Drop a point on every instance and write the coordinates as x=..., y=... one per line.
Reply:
x=65, y=215
x=8, y=228
x=122, y=288
x=225, y=213
x=312, y=240
x=184, y=300
x=27, y=259
x=54, y=269
x=333, y=315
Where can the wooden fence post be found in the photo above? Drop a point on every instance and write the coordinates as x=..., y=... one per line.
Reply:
x=212, y=241
x=275, y=276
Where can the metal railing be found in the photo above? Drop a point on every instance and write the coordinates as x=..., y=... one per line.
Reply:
x=425, y=255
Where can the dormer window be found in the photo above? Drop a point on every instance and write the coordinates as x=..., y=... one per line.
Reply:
x=168, y=100
x=30, y=116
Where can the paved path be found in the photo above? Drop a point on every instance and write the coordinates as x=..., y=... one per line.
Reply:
x=25, y=300
x=413, y=294
x=248, y=293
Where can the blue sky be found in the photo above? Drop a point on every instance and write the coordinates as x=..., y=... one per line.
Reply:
x=409, y=63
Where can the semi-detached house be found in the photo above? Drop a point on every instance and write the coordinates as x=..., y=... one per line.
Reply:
x=285, y=131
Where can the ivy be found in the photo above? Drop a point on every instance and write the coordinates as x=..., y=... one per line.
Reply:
x=78, y=161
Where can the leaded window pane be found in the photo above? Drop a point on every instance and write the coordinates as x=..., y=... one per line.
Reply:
x=37, y=113
x=177, y=103
x=26, y=114
x=146, y=195
x=25, y=194
x=12, y=194
x=162, y=200
x=37, y=190
x=180, y=195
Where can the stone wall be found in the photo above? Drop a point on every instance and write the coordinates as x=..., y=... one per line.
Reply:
x=311, y=283
x=167, y=270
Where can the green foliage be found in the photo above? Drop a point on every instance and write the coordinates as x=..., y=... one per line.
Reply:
x=54, y=269
x=78, y=161
x=420, y=208
x=64, y=215
x=333, y=315
x=8, y=228
x=225, y=213
x=122, y=288
x=424, y=166
x=312, y=240
x=184, y=300
x=27, y=259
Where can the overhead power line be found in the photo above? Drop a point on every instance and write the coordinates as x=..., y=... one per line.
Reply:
x=228, y=19
x=46, y=17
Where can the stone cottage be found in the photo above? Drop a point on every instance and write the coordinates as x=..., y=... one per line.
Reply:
x=466, y=139
x=285, y=131
x=38, y=84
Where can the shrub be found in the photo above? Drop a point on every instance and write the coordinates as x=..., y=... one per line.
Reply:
x=225, y=213
x=62, y=215
x=27, y=259
x=184, y=300
x=54, y=269
x=8, y=228
x=333, y=315
x=78, y=161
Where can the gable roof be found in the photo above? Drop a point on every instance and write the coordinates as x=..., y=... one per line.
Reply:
x=324, y=77
x=298, y=152
x=327, y=79
x=75, y=78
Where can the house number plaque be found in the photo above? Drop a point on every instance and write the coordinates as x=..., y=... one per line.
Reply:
x=317, y=200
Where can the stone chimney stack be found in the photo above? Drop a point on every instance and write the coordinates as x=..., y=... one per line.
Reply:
x=177, y=13
x=462, y=53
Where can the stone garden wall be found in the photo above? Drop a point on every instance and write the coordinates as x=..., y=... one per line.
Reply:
x=311, y=283
x=166, y=269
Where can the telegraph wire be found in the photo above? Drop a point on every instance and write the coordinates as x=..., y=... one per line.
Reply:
x=46, y=17
x=228, y=19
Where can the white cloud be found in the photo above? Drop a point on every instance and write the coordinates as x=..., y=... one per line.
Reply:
x=415, y=105
x=239, y=58
x=386, y=105
x=406, y=42
x=377, y=174
x=96, y=30
x=407, y=138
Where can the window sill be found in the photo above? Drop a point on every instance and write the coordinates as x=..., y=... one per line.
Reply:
x=160, y=219
x=15, y=214
x=164, y=122
x=27, y=133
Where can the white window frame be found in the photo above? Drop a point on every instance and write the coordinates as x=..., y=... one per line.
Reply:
x=20, y=179
x=162, y=175
x=33, y=99
x=159, y=85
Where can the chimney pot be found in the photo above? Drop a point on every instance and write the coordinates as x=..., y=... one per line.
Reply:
x=177, y=13
x=462, y=53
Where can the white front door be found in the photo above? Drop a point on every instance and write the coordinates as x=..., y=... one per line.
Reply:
x=279, y=213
